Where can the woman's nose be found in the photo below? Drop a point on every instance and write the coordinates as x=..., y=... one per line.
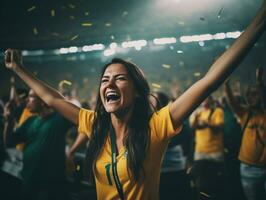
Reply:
x=111, y=82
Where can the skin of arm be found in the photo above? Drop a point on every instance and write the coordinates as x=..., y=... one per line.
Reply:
x=80, y=140
x=50, y=96
x=259, y=82
x=259, y=76
x=13, y=93
x=9, y=124
x=219, y=70
x=231, y=100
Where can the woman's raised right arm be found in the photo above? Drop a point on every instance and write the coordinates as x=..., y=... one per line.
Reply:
x=13, y=61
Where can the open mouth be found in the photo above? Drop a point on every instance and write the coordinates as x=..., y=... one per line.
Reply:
x=112, y=96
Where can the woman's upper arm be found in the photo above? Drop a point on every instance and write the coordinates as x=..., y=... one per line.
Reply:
x=67, y=109
x=183, y=106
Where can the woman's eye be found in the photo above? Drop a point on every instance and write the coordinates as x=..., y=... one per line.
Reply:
x=104, y=80
x=121, y=78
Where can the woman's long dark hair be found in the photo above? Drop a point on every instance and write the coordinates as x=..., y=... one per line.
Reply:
x=138, y=138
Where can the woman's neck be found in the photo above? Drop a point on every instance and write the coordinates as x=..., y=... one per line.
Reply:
x=120, y=122
x=120, y=126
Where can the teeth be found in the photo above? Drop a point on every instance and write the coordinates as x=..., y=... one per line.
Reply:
x=112, y=95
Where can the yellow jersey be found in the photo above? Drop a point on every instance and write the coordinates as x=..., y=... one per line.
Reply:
x=148, y=188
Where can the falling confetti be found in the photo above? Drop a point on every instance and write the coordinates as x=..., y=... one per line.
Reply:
x=197, y=74
x=226, y=151
x=112, y=37
x=86, y=13
x=74, y=37
x=179, y=51
x=78, y=167
x=55, y=34
x=166, y=66
x=189, y=170
x=192, y=184
x=52, y=13
x=220, y=13
x=61, y=83
x=71, y=6
x=35, y=31
x=86, y=24
x=125, y=13
x=31, y=8
x=205, y=194
x=156, y=85
x=71, y=17
x=108, y=24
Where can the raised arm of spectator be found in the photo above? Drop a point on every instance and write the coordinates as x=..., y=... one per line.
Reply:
x=259, y=81
x=13, y=92
x=219, y=70
x=80, y=140
x=9, y=124
x=231, y=100
x=13, y=61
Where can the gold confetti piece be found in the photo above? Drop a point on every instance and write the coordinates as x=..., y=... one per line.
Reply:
x=71, y=17
x=226, y=151
x=35, y=31
x=78, y=167
x=166, y=66
x=86, y=24
x=52, y=13
x=108, y=24
x=71, y=6
x=31, y=8
x=125, y=13
x=197, y=74
x=189, y=170
x=192, y=184
x=55, y=34
x=86, y=13
x=205, y=194
x=74, y=37
x=156, y=85
x=64, y=82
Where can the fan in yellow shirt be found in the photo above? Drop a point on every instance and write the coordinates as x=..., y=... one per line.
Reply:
x=208, y=165
x=252, y=153
x=124, y=116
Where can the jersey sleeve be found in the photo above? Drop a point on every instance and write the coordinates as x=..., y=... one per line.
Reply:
x=86, y=118
x=162, y=126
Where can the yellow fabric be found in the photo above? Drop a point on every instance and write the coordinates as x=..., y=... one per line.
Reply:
x=253, y=149
x=25, y=115
x=161, y=131
x=207, y=141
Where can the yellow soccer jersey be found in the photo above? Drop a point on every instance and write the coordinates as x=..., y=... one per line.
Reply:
x=208, y=141
x=161, y=132
x=253, y=149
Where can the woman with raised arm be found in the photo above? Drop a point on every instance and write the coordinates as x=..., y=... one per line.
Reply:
x=128, y=139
